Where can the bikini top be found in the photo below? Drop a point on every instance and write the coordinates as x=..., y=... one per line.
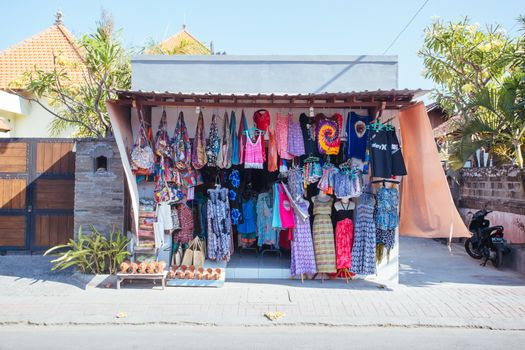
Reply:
x=345, y=213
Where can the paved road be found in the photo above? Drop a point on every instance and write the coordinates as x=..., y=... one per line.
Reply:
x=438, y=288
x=166, y=337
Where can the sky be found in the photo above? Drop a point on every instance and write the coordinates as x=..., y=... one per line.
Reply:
x=308, y=27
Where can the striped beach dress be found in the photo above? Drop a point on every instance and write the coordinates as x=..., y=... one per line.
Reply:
x=323, y=235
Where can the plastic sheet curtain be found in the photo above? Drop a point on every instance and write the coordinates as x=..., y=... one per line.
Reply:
x=427, y=208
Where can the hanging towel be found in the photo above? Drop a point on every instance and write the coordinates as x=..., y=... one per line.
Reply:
x=234, y=146
x=198, y=152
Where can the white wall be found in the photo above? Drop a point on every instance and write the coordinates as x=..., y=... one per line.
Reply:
x=27, y=119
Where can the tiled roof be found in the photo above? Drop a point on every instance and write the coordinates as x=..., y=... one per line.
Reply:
x=40, y=51
x=188, y=44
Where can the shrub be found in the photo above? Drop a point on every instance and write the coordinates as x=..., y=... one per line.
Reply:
x=92, y=253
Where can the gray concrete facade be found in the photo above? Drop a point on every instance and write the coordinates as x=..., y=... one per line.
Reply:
x=264, y=74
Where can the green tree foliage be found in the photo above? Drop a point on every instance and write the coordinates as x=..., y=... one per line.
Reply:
x=82, y=105
x=478, y=76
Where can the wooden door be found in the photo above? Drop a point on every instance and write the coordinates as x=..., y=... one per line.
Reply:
x=14, y=182
x=37, y=182
x=53, y=193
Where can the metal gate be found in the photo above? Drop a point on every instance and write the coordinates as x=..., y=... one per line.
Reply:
x=37, y=186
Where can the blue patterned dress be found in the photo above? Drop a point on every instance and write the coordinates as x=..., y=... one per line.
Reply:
x=364, y=248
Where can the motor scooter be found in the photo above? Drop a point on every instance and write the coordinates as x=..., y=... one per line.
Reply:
x=486, y=241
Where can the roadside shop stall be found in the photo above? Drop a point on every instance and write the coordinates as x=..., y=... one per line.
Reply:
x=312, y=176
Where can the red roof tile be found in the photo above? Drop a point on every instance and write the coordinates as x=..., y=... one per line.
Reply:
x=40, y=51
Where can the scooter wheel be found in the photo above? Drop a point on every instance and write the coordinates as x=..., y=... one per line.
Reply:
x=470, y=249
x=498, y=258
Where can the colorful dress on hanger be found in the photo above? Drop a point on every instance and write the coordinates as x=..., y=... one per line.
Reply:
x=281, y=132
x=224, y=160
x=302, y=257
x=387, y=218
x=347, y=184
x=364, y=247
x=295, y=183
x=234, y=180
x=323, y=236
x=262, y=121
x=328, y=133
x=185, y=234
x=295, y=138
x=276, y=217
x=344, y=236
x=285, y=210
x=198, y=151
x=248, y=229
x=219, y=227
x=243, y=126
x=252, y=154
x=213, y=143
x=234, y=146
x=272, y=152
x=326, y=183
x=181, y=145
x=265, y=233
x=308, y=130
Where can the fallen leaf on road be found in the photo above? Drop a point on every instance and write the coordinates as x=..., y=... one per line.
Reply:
x=122, y=315
x=108, y=285
x=272, y=316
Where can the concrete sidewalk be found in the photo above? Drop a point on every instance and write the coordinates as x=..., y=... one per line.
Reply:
x=438, y=288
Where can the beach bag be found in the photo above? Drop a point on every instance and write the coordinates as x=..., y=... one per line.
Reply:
x=177, y=255
x=181, y=145
x=198, y=152
x=195, y=254
x=162, y=139
x=142, y=157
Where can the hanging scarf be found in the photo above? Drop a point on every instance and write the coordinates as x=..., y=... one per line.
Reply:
x=198, y=152
x=213, y=143
x=234, y=146
x=243, y=126
x=223, y=161
x=181, y=144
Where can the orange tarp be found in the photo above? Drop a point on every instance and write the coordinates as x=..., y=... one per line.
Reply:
x=427, y=208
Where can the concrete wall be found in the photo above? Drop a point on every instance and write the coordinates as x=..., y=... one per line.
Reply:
x=499, y=189
x=99, y=195
x=264, y=74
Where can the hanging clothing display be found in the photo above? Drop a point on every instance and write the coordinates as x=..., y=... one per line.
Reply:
x=272, y=152
x=364, y=247
x=198, y=151
x=223, y=160
x=285, y=210
x=276, y=216
x=295, y=183
x=323, y=235
x=344, y=236
x=295, y=138
x=326, y=183
x=281, y=132
x=213, y=143
x=262, y=122
x=185, y=234
x=302, y=254
x=241, y=136
x=252, y=153
x=328, y=133
x=386, y=219
x=234, y=196
x=357, y=135
x=219, y=228
x=181, y=144
x=308, y=130
x=346, y=185
x=265, y=233
x=234, y=147
x=248, y=228
x=386, y=157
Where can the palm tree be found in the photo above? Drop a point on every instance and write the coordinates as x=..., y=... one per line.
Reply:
x=497, y=123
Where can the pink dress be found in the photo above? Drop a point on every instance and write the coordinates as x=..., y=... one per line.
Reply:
x=281, y=131
x=253, y=157
x=286, y=211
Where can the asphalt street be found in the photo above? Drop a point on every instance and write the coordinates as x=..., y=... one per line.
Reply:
x=245, y=338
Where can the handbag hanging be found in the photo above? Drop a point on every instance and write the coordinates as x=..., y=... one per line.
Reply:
x=198, y=151
x=181, y=144
x=142, y=157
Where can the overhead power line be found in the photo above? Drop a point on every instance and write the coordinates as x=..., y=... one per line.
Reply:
x=406, y=26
